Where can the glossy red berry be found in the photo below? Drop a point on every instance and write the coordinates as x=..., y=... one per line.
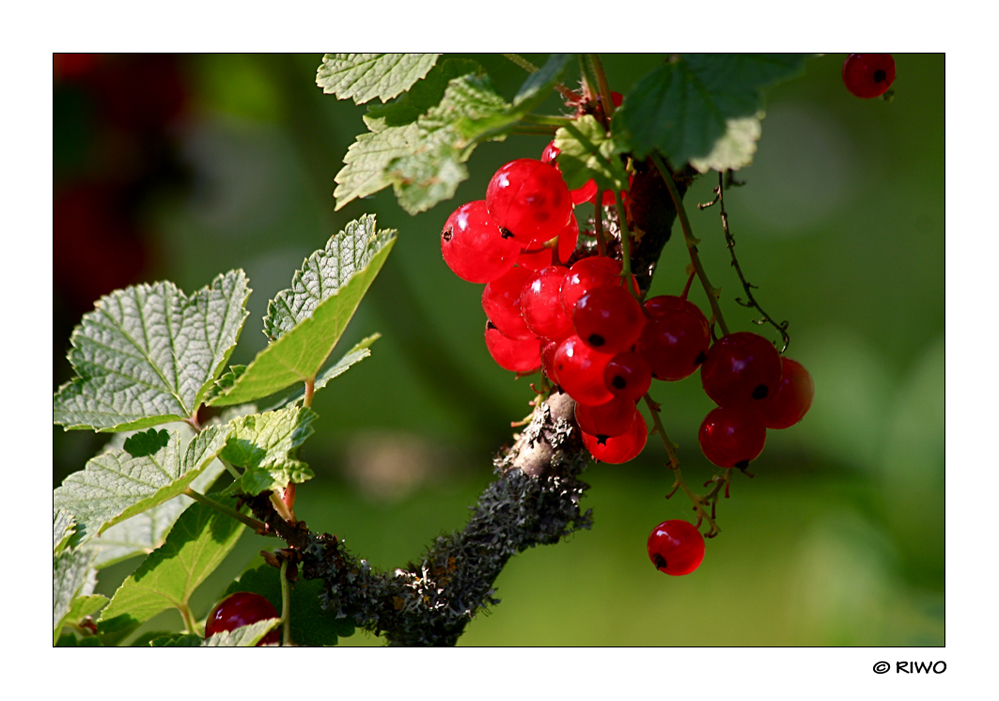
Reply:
x=628, y=375
x=619, y=449
x=515, y=355
x=741, y=370
x=474, y=247
x=501, y=303
x=606, y=420
x=676, y=547
x=608, y=319
x=540, y=307
x=792, y=399
x=675, y=343
x=580, y=371
x=868, y=75
x=242, y=609
x=654, y=306
x=529, y=199
x=588, y=273
x=732, y=437
x=540, y=255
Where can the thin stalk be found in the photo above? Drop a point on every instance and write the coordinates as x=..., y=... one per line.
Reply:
x=253, y=523
x=546, y=120
x=625, y=245
x=190, y=624
x=598, y=226
x=688, y=237
x=531, y=68
x=310, y=388
x=285, y=605
x=603, y=89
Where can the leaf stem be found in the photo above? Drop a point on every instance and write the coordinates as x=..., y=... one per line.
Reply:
x=190, y=624
x=531, y=68
x=257, y=526
x=546, y=120
x=603, y=89
x=691, y=242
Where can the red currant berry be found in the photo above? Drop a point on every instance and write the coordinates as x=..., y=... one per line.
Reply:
x=588, y=273
x=792, y=399
x=474, y=247
x=606, y=420
x=548, y=349
x=628, y=375
x=538, y=256
x=619, y=449
x=732, y=437
x=242, y=609
x=676, y=547
x=741, y=369
x=580, y=371
x=501, y=303
x=539, y=304
x=868, y=75
x=654, y=306
x=608, y=319
x=674, y=343
x=515, y=355
x=529, y=199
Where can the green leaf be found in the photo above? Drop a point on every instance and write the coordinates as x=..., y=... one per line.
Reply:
x=682, y=108
x=245, y=636
x=197, y=544
x=306, y=321
x=422, y=160
x=267, y=445
x=63, y=529
x=148, y=354
x=117, y=485
x=143, y=533
x=169, y=640
x=73, y=576
x=423, y=95
x=586, y=151
x=363, y=77
x=359, y=352
x=535, y=90
x=735, y=149
x=311, y=624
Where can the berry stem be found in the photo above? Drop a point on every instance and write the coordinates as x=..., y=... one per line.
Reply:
x=691, y=242
x=547, y=120
x=598, y=225
x=531, y=68
x=625, y=245
x=253, y=523
x=698, y=501
x=285, y=604
x=604, y=93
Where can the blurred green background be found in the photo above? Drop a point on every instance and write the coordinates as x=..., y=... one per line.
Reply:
x=182, y=167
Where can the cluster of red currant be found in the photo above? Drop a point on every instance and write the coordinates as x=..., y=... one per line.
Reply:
x=582, y=322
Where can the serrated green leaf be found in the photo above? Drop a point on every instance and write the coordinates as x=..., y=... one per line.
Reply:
x=586, y=151
x=63, y=529
x=73, y=576
x=143, y=533
x=422, y=96
x=148, y=354
x=364, y=77
x=197, y=544
x=267, y=445
x=170, y=640
x=682, y=108
x=246, y=636
x=146, y=443
x=311, y=624
x=735, y=149
x=306, y=321
x=116, y=485
x=359, y=352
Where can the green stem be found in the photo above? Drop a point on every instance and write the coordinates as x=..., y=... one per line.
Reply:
x=285, y=605
x=625, y=244
x=603, y=89
x=253, y=523
x=310, y=388
x=190, y=624
x=598, y=226
x=231, y=469
x=691, y=242
x=546, y=120
x=531, y=68
x=534, y=130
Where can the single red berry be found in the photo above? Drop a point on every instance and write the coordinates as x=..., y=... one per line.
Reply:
x=529, y=199
x=654, y=306
x=792, y=399
x=676, y=547
x=606, y=420
x=588, y=273
x=628, y=375
x=868, y=75
x=580, y=371
x=674, y=343
x=608, y=319
x=474, y=247
x=501, y=303
x=540, y=307
x=619, y=449
x=548, y=349
x=741, y=370
x=515, y=355
x=556, y=252
x=242, y=609
x=732, y=437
